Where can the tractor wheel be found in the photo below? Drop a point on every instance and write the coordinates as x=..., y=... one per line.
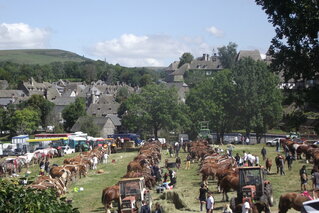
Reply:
x=268, y=193
x=233, y=204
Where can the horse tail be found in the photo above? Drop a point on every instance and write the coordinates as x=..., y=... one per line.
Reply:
x=103, y=196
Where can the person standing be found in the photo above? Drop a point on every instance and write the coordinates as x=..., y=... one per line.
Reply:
x=303, y=178
x=263, y=153
x=277, y=162
x=210, y=203
x=281, y=165
x=188, y=162
x=237, y=158
x=170, y=150
x=246, y=206
x=202, y=195
x=315, y=179
x=105, y=157
x=145, y=208
x=95, y=161
x=289, y=160
x=46, y=166
x=178, y=162
x=247, y=140
x=177, y=148
x=278, y=146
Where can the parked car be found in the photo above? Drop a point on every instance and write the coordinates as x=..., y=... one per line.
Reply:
x=67, y=150
x=273, y=142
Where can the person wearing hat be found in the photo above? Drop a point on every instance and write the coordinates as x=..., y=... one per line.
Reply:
x=210, y=202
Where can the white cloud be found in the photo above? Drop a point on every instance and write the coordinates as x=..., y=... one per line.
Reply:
x=215, y=31
x=146, y=50
x=22, y=36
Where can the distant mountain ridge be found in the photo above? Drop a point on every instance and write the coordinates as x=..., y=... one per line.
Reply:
x=39, y=56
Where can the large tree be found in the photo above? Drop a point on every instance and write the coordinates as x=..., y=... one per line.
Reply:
x=258, y=98
x=88, y=126
x=155, y=108
x=185, y=58
x=16, y=198
x=72, y=112
x=212, y=101
x=295, y=47
x=40, y=104
x=227, y=55
x=24, y=121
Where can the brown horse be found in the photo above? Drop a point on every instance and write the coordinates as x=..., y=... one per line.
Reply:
x=230, y=181
x=291, y=200
x=110, y=194
x=268, y=164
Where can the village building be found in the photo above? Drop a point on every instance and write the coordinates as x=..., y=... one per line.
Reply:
x=11, y=97
x=107, y=125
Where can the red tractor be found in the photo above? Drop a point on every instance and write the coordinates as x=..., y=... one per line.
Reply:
x=254, y=188
x=132, y=193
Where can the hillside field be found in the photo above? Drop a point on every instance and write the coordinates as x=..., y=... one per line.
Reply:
x=39, y=56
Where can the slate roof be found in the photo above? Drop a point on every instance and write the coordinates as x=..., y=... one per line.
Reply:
x=10, y=93
x=115, y=119
x=102, y=110
x=106, y=99
x=254, y=54
x=62, y=101
x=5, y=101
x=173, y=66
x=53, y=93
x=198, y=64
x=181, y=70
x=98, y=121
x=33, y=86
x=206, y=65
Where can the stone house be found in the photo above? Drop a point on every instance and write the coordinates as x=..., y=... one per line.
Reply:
x=107, y=125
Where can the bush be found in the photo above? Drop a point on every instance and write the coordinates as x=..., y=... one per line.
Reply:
x=15, y=198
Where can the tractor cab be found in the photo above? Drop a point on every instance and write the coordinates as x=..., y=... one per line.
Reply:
x=254, y=187
x=251, y=182
x=132, y=192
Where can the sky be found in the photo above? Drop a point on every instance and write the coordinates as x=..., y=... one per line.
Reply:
x=134, y=32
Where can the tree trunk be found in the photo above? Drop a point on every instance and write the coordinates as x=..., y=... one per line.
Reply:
x=155, y=132
x=222, y=137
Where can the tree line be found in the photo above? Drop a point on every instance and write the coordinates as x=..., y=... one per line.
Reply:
x=87, y=71
x=243, y=96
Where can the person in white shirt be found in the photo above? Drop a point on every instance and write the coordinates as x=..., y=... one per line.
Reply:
x=245, y=207
x=95, y=161
x=210, y=203
x=105, y=157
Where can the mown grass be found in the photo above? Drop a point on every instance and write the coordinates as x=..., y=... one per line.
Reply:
x=188, y=182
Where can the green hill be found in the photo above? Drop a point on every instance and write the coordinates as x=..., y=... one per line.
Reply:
x=39, y=56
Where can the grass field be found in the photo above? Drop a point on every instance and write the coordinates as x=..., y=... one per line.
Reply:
x=188, y=182
x=39, y=56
